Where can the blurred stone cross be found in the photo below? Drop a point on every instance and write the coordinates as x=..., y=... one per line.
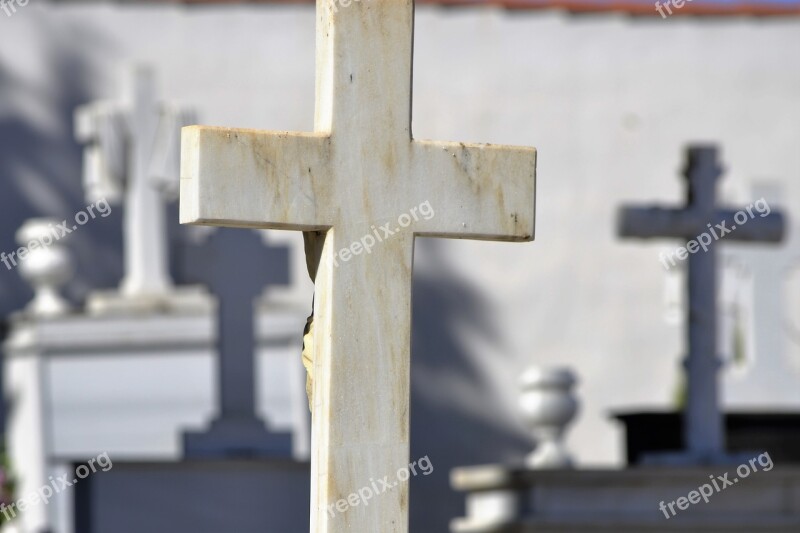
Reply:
x=235, y=265
x=132, y=155
x=359, y=179
x=703, y=224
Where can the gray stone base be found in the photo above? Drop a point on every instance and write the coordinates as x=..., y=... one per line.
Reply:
x=195, y=497
x=501, y=499
x=181, y=300
x=237, y=439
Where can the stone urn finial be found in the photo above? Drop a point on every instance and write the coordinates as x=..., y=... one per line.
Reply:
x=549, y=406
x=46, y=266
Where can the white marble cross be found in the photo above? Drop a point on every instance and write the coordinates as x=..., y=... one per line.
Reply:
x=360, y=177
x=132, y=154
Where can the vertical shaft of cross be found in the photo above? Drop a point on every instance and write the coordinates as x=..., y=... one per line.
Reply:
x=702, y=172
x=146, y=270
x=233, y=265
x=703, y=420
x=359, y=438
x=236, y=359
x=374, y=79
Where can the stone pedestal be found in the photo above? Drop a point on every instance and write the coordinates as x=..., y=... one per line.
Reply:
x=178, y=300
x=660, y=433
x=238, y=497
x=53, y=366
x=503, y=499
x=129, y=385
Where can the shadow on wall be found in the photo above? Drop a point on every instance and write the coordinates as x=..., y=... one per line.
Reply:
x=444, y=372
x=40, y=168
x=195, y=261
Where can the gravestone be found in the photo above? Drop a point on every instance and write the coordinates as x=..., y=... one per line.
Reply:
x=361, y=180
x=132, y=155
x=237, y=431
x=704, y=431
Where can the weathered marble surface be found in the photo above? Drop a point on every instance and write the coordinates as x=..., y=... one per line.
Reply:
x=358, y=172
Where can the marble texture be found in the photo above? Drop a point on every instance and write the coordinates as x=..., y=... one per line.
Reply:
x=358, y=172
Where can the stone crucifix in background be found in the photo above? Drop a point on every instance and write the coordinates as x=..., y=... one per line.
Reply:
x=702, y=223
x=361, y=180
x=132, y=156
x=237, y=431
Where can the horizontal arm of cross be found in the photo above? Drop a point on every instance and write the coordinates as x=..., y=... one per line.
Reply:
x=251, y=178
x=650, y=222
x=280, y=180
x=98, y=118
x=479, y=191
